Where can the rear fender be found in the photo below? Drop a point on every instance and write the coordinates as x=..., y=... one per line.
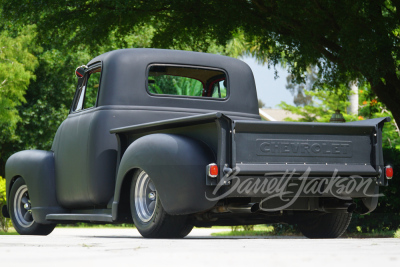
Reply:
x=177, y=166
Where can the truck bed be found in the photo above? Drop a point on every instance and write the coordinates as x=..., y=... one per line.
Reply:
x=352, y=148
x=257, y=147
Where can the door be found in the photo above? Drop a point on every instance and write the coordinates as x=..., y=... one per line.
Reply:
x=73, y=156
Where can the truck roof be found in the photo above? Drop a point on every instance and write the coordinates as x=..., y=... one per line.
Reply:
x=124, y=77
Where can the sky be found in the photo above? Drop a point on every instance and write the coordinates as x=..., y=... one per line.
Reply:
x=270, y=90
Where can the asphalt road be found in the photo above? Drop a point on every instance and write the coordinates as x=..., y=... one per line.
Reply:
x=125, y=247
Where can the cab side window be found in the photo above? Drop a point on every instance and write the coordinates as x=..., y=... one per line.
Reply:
x=87, y=93
x=92, y=87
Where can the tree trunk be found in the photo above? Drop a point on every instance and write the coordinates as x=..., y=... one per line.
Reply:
x=389, y=94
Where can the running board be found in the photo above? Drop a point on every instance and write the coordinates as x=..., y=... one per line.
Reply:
x=80, y=217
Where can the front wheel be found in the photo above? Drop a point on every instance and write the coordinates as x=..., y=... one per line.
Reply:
x=148, y=214
x=21, y=212
x=328, y=225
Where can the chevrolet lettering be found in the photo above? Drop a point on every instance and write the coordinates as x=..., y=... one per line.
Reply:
x=305, y=148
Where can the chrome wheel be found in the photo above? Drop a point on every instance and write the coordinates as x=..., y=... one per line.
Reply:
x=145, y=197
x=148, y=214
x=22, y=207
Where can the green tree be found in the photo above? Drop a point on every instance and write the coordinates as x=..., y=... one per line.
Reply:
x=17, y=65
x=297, y=89
x=386, y=216
x=47, y=100
x=325, y=102
x=345, y=39
x=49, y=97
x=4, y=222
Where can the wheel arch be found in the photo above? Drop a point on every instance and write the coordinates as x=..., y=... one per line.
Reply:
x=122, y=210
x=11, y=183
x=177, y=166
x=36, y=168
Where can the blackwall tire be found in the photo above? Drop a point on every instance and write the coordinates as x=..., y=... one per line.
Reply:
x=20, y=212
x=328, y=225
x=148, y=214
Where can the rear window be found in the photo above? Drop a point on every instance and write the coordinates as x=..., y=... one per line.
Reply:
x=187, y=81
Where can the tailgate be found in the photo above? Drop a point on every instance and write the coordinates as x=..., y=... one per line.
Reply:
x=353, y=148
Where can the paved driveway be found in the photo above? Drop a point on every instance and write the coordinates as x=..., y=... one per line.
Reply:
x=125, y=247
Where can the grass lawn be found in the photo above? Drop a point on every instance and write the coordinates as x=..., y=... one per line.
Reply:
x=11, y=231
x=259, y=230
x=381, y=234
x=263, y=230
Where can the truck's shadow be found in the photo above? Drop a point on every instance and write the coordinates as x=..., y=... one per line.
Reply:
x=202, y=237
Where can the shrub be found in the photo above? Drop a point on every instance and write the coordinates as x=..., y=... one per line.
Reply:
x=4, y=222
x=397, y=233
x=387, y=214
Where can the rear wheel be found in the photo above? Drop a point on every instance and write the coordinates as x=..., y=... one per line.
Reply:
x=328, y=225
x=148, y=214
x=21, y=212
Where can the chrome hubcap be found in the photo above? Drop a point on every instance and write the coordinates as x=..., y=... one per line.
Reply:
x=145, y=197
x=22, y=207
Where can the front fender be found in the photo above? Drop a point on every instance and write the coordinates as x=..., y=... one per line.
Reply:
x=177, y=166
x=36, y=167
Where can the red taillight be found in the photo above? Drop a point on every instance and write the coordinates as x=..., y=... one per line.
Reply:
x=389, y=172
x=212, y=170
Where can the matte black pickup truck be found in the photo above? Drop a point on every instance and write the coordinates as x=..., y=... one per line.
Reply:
x=170, y=140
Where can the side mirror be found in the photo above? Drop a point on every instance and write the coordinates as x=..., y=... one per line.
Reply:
x=80, y=71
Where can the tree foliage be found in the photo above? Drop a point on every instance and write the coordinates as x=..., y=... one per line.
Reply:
x=4, y=222
x=47, y=100
x=386, y=216
x=17, y=65
x=325, y=102
x=345, y=39
x=297, y=89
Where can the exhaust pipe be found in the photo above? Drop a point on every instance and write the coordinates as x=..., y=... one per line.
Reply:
x=238, y=208
x=248, y=208
x=333, y=207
